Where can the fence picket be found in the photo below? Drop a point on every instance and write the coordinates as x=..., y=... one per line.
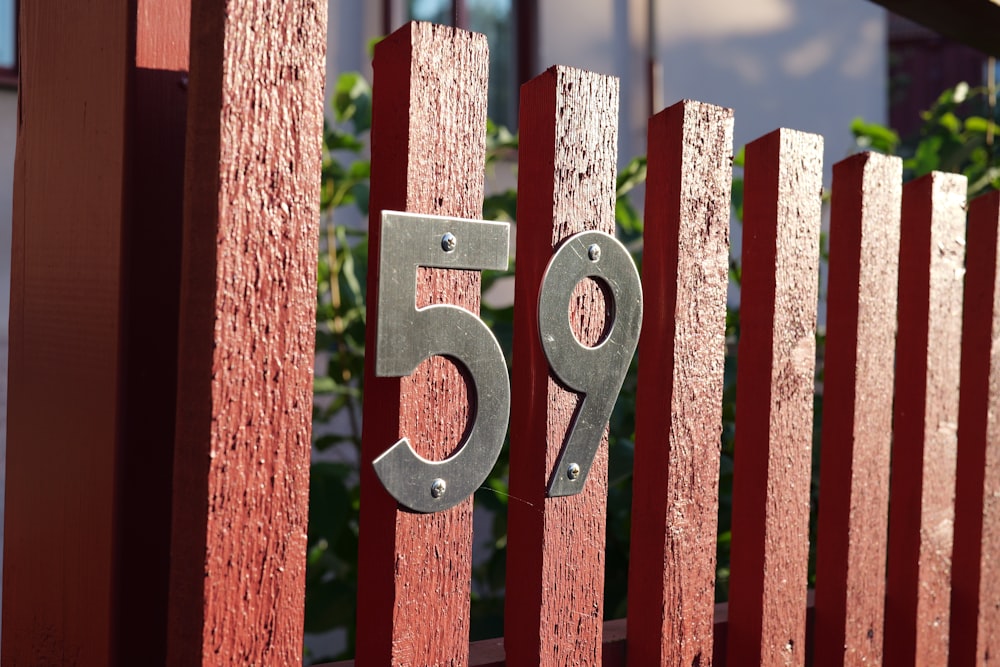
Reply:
x=774, y=400
x=857, y=409
x=428, y=152
x=555, y=553
x=247, y=333
x=68, y=271
x=922, y=493
x=675, y=488
x=975, y=583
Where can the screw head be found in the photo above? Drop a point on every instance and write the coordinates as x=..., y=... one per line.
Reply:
x=448, y=242
x=573, y=471
x=594, y=252
x=438, y=487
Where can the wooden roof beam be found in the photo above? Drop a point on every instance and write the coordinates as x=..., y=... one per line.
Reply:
x=972, y=22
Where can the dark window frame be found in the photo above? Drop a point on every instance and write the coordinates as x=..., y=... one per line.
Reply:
x=9, y=75
x=525, y=37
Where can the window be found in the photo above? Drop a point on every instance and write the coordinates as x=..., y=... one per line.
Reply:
x=8, y=41
x=508, y=59
x=922, y=64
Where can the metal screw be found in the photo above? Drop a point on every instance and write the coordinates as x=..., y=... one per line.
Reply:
x=448, y=242
x=594, y=252
x=573, y=471
x=438, y=487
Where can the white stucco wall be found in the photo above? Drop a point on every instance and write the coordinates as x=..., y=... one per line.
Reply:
x=811, y=65
x=352, y=24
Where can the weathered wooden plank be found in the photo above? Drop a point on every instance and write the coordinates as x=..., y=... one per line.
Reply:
x=774, y=400
x=428, y=156
x=975, y=581
x=857, y=409
x=922, y=496
x=675, y=488
x=555, y=548
x=64, y=333
x=87, y=561
x=244, y=401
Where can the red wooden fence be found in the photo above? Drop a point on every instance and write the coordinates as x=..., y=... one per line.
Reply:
x=685, y=274
x=555, y=546
x=857, y=425
x=231, y=509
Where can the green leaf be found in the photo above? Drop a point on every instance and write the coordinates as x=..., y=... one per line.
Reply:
x=740, y=158
x=352, y=100
x=337, y=140
x=989, y=179
x=360, y=194
x=500, y=142
x=737, y=198
x=874, y=136
x=981, y=125
x=324, y=385
x=633, y=174
x=372, y=43
x=347, y=267
x=950, y=122
x=501, y=206
x=627, y=217
x=360, y=169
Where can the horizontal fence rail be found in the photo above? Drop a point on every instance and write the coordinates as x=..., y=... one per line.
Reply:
x=616, y=643
x=907, y=572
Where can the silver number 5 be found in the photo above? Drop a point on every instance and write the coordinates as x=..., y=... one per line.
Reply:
x=408, y=335
x=597, y=372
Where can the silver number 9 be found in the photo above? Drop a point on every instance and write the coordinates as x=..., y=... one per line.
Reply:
x=408, y=335
x=597, y=372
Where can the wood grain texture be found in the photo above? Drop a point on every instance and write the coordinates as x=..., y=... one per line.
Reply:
x=65, y=317
x=247, y=328
x=857, y=410
x=922, y=496
x=125, y=152
x=428, y=156
x=675, y=488
x=774, y=400
x=975, y=581
x=555, y=552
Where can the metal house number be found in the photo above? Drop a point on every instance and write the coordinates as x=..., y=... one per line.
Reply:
x=407, y=335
